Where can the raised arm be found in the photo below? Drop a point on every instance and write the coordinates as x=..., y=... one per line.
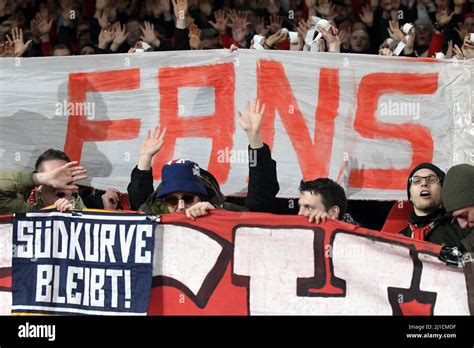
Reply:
x=141, y=183
x=263, y=183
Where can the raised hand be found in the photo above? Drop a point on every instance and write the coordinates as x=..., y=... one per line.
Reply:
x=326, y=9
x=150, y=147
x=276, y=23
x=180, y=8
x=194, y=37
x=61, y=177
x=462, y=30
x=120, y=36
x=106, y=36
x=221, y=22
x=251, y=122
x=19, y=44
x=7, y=49
x=394, y=31
x=149, y=35
x=103, y=19
x=260, y=26
x=302, y=29
x=42, y=25
x=367, y=15
x=239, y=29
x=443, y=18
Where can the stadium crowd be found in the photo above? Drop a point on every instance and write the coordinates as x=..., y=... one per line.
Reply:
x=416, y=28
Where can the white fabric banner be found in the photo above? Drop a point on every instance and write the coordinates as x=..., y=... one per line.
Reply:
x=362, y=120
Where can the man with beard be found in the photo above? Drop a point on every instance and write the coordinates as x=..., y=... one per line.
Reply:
x=429, y=220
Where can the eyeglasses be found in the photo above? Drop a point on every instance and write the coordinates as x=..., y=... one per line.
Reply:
x=173, y=200
x=431, y=179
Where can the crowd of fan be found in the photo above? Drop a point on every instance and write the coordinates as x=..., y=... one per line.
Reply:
x=440, y=28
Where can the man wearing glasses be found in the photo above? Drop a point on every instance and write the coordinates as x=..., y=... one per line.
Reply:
x=429, y=220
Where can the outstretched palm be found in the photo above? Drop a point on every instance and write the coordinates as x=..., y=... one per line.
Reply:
x=251, y=121
x=153, y=144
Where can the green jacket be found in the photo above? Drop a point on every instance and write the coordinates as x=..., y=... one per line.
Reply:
x=13, y=186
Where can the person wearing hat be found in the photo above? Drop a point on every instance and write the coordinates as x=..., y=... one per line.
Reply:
x=458, y=199
x=185, y=187
x=429, y=220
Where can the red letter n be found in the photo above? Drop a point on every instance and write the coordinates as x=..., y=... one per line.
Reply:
x=275, y=91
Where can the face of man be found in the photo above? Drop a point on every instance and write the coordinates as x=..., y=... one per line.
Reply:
x=310, y=202
x=469, y=23
x=359, y=41
x=49, y=194
x=180, y=201
x=423, y=35
x=425, y=196
x=134, y=32
x=465, y=217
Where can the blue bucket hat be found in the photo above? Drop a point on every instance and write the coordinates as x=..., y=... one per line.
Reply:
x=180, y=175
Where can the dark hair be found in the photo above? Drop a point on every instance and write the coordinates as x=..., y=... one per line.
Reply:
x=49, y=155
x=331, y=193
x=61, y=47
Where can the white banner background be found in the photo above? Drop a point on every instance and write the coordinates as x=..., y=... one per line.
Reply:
x=31, y=121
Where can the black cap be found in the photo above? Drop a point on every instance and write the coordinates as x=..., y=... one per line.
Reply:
x=425, y=165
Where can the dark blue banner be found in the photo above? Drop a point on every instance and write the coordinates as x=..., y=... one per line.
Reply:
x=86, y=263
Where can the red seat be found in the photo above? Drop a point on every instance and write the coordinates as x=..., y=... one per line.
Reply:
x=397, y=218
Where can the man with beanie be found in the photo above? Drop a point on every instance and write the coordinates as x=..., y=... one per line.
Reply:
x=458, y=199
x=429, y=220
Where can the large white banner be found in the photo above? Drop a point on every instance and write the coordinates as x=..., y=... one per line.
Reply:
x=362, y=120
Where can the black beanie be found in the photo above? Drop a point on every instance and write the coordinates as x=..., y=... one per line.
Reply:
x=425, y=165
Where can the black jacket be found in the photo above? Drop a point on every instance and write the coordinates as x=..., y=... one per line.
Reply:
x=448, y=232
x=263, y=183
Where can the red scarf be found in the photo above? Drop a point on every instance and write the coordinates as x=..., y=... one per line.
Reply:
x=420, y=233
